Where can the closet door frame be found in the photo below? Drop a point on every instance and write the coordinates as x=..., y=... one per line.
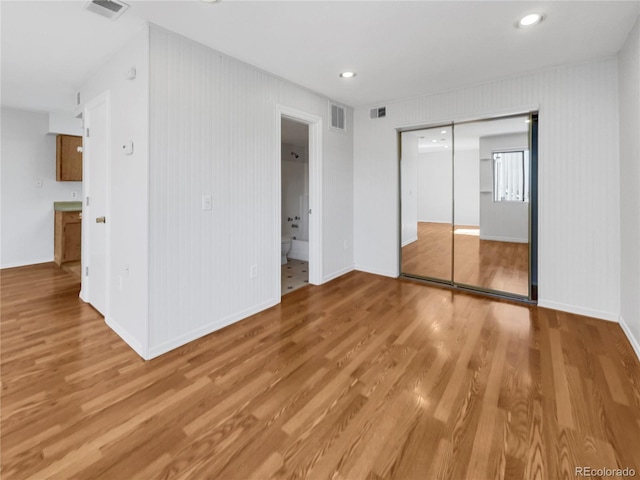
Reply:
x=532, y=296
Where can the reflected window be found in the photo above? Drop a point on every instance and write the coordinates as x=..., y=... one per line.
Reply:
x=511, y=176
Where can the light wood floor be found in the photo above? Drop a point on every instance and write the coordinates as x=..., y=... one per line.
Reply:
x=502, y=266
x=363, y=378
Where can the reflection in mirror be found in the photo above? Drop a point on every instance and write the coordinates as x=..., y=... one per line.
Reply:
x=491, y=178
x=426, y=209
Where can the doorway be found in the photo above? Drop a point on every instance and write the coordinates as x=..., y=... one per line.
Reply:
x=299, y=134
x=469, y=205
x=294, y=205
x=95, y=222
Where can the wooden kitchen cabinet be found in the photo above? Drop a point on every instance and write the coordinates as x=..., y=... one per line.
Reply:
x=67, y=237
x=68, y=158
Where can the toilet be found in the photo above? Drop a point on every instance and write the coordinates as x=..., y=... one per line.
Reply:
x=285, y=248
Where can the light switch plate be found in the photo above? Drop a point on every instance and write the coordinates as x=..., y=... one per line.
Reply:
x=206, y=202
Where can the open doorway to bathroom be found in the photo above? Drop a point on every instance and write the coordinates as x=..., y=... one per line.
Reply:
x=294, y=155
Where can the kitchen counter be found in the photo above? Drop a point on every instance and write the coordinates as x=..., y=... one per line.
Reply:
x=67, y=206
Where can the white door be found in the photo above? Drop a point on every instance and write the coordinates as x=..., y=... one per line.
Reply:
x=95, y=220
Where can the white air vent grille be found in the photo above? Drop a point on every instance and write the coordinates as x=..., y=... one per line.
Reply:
x=111, y=9
x=338, y=118
x=378, y=112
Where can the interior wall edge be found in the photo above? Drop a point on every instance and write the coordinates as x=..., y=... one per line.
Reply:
x=129, y=339
x=26, y=263
x=578, y=310
x=635, y=343
x=377, y=271
x=338, y=273
x=157, y=350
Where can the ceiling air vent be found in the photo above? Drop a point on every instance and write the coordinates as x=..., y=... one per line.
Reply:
x=111, y=9
x=338, y=118
x=378, y=112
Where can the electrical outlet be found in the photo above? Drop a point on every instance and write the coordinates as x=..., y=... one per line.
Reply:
x=206, y=202
x=253, y=273
x=39, y=182
x=74, y=194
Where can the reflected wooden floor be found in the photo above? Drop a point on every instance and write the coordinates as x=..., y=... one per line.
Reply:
x=502, y=266
x=366, y=377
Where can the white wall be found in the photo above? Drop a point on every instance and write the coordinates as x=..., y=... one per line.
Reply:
x=629, y=81
x=501, y=221
x=295, y=186
x=410, y=194
x=434, y=187
x=213, y=131
x=29, y=154
x=127, y=311
x=65, y=123
x=579, y=222
x=467, y=187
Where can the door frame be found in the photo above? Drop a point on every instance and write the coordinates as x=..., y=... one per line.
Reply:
x=85, y=288
x=532, y=296
x=314, y=123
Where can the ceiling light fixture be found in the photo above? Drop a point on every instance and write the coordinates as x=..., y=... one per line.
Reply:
x=443, y=131
x=348, y=74
x=433, y=141
x=530, y=20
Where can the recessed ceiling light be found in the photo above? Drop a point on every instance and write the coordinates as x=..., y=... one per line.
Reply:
x=210, y=1
x=527, y=121
x=348, y=74
x=433, y=141
x=530, y=20
x=443, y=131
x=446, y=146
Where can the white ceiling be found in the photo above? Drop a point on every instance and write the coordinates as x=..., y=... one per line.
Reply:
x=398, y=48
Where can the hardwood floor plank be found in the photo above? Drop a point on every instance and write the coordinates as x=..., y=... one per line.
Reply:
x=365, y=377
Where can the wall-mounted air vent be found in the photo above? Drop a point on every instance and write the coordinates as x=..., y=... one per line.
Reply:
x=111, y=9
x=378, y=112
x=338, y=118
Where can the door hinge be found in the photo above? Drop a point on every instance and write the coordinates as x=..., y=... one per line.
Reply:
x=86, y=271
x=87, y=204
x=87, y=132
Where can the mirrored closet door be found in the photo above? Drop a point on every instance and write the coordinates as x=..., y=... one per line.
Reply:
x=426, y=175
x=466, y=205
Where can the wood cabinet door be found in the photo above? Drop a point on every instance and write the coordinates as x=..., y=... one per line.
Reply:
x=68, y=159
x=72, y=243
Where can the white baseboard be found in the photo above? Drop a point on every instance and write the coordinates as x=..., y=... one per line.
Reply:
x=635, y=344
x=339, y=273
x=127, y=337
x=504, y=239
x=411, y=240
x=375, y=271
x=587, y=312
x=26, y=263
x=165, y=347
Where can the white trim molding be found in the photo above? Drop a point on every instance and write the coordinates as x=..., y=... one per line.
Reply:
x=587, y=312
x=127, y=338
x=632, y=340
x=165, y=347
x=339, y=273
x=315, y=187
